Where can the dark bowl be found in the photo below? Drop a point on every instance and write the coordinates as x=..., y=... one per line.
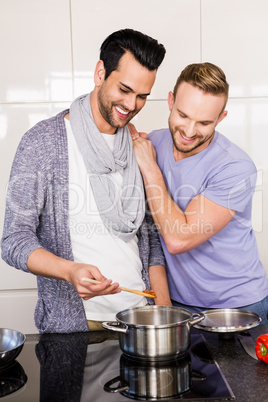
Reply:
x=11, y=344
x=12, y=378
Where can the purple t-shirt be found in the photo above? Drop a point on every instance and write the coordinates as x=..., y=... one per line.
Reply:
x=225, y=271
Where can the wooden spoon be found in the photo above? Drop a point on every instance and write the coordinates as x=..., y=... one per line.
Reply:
x=137, y=292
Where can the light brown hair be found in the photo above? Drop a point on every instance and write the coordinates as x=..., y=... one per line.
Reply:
x=206, y=76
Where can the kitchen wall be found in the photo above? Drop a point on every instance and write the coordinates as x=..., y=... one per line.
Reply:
x=48, y=54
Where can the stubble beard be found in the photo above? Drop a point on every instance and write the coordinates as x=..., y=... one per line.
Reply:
x=195, y=146
x=106, y=110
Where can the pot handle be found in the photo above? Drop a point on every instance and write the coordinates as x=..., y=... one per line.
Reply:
x=114, y=326
x=199, y=317
x=107, y=387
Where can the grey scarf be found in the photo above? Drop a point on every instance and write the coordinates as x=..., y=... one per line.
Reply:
x=122, y=212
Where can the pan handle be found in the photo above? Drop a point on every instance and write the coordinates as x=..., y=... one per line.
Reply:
x=199, y=317
x=108, y=388
x=114, y=326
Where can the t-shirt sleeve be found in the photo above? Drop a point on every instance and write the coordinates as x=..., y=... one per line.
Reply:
x=233, y=185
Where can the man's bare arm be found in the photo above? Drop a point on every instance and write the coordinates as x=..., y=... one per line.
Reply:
x=158, y=282
x=181, y=230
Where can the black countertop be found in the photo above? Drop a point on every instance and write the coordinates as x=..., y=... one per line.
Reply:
x=248, y=378
x=59, y=367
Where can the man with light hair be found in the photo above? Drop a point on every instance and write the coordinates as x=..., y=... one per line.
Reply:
x=199, y=187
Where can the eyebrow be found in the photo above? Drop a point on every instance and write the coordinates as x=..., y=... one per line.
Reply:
x=130, y=89
x=202, y=121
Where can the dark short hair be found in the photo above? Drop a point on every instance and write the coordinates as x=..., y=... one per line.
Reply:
x=146, y=50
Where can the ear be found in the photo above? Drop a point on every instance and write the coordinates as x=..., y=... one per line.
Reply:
x=222, y=116
x=170, y=100
x=99, y=74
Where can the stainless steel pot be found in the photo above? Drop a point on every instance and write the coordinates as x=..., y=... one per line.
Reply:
x=154, y=380
x=154, y=332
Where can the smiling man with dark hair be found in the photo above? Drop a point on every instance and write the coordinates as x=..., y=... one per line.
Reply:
x=76, y=205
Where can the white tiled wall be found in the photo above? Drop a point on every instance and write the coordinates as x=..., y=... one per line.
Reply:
x=48, y=54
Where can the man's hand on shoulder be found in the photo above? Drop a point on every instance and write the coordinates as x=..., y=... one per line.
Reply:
x=135, y=134
x=144, y=151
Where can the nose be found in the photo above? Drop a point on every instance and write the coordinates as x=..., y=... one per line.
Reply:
x=190, y=129
x=130, y=102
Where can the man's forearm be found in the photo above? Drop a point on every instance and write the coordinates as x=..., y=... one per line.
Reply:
x=167, y=215
x=159, y=284
x=165, y=211
x=183, y=231
x=43, y=263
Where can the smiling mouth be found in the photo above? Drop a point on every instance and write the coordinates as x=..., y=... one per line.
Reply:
x=122, y=113
x=186, y=139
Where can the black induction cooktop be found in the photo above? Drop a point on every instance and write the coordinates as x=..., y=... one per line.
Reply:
x=75, y=367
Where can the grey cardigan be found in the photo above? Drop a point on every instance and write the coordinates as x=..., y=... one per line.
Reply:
x=37, y=217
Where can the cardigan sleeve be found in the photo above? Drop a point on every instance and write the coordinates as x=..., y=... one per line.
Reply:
x=156, y=255
x=24, y=203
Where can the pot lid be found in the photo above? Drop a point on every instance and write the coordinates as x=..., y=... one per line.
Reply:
x=228, y=320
